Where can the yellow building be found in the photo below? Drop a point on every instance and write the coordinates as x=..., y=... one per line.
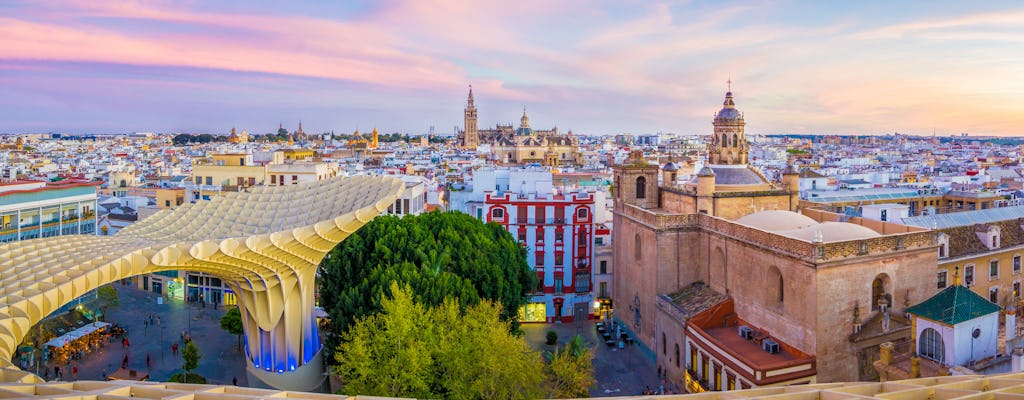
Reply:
x=986, y=246
x=298, y=154
x=224, y=171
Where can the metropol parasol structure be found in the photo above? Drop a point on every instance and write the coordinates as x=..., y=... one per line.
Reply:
x=265, y=243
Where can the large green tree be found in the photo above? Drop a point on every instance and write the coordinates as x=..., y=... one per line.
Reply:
x=439, y=255
x=409, y=350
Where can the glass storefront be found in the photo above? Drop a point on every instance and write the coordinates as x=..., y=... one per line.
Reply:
x=533, y=312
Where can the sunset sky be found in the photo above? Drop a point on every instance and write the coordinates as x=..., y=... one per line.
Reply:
x=596, y=67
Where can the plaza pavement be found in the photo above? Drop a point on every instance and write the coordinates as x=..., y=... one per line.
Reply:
x=618, y=372
x=221, y=359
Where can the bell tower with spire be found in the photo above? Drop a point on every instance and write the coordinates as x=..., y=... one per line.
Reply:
x=470, y=135
x=729, y=143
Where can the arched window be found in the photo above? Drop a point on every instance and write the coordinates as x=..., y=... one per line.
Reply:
x=124, y=183
x=641, y=187
x=636, y=246
x=777, y=294
x=725, y=140
x=880, y=292
x=677, y=355
x=930, y=346
x=735, y=140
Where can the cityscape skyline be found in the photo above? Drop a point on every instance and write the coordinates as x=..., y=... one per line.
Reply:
x=94, y=67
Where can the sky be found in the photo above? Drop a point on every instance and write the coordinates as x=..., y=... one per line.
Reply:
x=590, y=66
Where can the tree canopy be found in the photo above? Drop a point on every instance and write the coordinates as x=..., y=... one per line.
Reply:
x=438, y=255
x=231, y=322
x=190, y=356
x=409, y=350
x=570, y=370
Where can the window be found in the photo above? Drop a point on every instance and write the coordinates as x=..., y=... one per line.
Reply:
x=677, y=355
x=885, y=215
x=604, y=290
x=993, y=295
x=604, y=266
x=558, y=286
x=930, y=345
x=558, y=235
x=522, y=236
x=209, y=180
x=993, y=269
x=1016, y=290
x=942, y=279
x=641, y=187
x=581, y=213
x=599, y=241
x=167, y=203
x=582, y=281
x=199, y=180
x=664, y=344
x=969, y=275
x=1016, y=264
x=500, y=213
x=558, y=260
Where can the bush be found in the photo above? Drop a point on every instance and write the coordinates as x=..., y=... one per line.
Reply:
x=190, y=378
x=552, y=338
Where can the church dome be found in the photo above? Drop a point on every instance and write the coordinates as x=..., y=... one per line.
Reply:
x=670, y=167
x=728, y=111
x=833, y=232
x=776, y=220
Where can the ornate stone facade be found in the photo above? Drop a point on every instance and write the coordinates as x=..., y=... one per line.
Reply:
x=523, y=145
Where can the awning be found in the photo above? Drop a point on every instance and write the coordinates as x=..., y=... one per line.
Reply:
x=76, y=334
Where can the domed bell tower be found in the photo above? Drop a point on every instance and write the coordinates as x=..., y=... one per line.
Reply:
x=729, y=143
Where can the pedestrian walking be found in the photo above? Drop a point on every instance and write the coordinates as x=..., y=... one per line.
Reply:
x=234, y=381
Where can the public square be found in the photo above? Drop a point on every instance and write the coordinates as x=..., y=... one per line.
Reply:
x=221, y=360
x=618, y=372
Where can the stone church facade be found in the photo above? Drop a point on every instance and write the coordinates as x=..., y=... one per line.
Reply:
x=805, y=280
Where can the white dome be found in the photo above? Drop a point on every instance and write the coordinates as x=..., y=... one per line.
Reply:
x=833, y=232
x=776, y=220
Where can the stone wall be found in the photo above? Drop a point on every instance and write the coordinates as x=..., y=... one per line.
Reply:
x=821, y=282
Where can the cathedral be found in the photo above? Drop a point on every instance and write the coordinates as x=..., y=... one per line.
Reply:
x=523, y=145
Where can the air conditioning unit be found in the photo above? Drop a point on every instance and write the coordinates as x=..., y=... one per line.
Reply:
x=770, y=346
x=746, y=332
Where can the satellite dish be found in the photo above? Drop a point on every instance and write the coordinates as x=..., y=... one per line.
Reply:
x=976, y=333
